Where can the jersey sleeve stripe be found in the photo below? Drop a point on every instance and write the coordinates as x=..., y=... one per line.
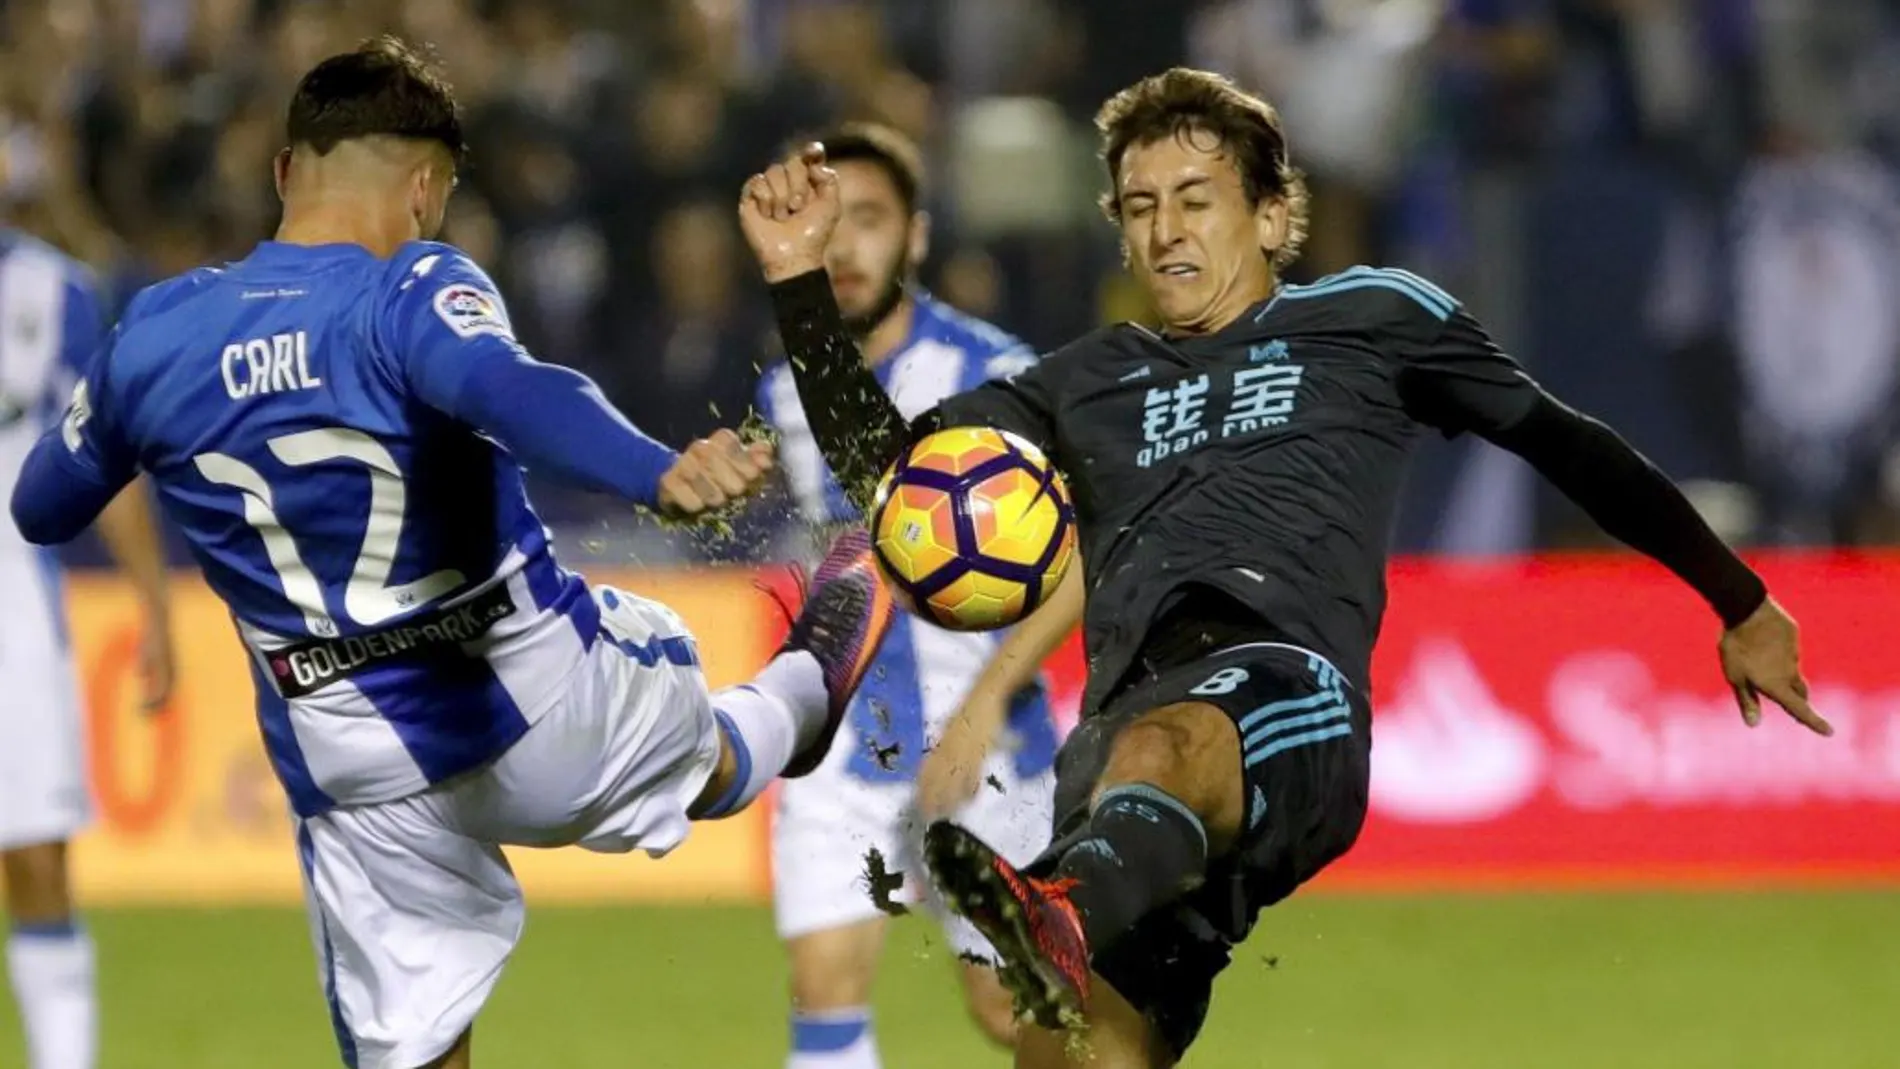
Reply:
x=1439, y=309
x=1431, y=288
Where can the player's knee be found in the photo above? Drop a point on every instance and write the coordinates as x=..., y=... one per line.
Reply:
x=37, y=891
x=831, y=970
x=1190, y=751
x=829, y=992
x=1175, y=748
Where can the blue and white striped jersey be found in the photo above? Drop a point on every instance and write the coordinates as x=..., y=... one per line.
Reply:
x=405, y=618
x=922, y=671
x=51, y=323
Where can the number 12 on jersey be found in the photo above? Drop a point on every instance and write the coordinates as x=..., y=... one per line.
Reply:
x=368, y=600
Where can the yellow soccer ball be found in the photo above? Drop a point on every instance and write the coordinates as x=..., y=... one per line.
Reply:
x=973, y=528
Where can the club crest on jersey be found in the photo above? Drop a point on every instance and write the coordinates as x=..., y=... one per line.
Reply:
x=470, y=311
x=1274, y=350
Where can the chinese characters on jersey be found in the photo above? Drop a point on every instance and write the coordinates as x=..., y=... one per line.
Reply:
x=1175, y=419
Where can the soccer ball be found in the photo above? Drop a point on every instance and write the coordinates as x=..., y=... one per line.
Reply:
x=973, y=528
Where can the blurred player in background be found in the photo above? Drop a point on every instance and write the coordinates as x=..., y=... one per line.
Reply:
x=338, y=423
x=866, y=797
x=51, y=325
x=1235, y=478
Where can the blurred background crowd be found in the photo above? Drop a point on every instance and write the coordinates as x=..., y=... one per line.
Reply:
x=1681, y=214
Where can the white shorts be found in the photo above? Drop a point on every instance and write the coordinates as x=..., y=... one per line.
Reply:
x=827, y=823
x=413, y=907
x=43, y=795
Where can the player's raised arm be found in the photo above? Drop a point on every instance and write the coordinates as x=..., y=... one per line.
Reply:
x=1461, y=381
x=452, y=343
x=788, y=214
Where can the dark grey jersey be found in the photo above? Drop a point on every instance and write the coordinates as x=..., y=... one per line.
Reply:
x=1263, y=461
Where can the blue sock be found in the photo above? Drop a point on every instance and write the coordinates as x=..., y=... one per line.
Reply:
x=736, y=794
x=66, y=928
x=835, y=1039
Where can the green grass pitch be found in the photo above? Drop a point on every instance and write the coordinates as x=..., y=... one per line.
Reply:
x=1679, y=981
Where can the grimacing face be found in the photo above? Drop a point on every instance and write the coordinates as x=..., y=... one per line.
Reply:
x=876, y=245
x=1194, y=242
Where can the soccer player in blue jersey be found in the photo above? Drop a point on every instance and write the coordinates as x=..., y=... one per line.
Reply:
x=947, y=723
x=51, y=323
x=339, y=423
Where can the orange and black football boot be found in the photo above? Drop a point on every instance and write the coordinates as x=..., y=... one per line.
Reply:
x=846, y=615
x=1042, y=951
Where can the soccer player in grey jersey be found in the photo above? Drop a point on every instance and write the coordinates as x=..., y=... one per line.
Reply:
x=1234, y=476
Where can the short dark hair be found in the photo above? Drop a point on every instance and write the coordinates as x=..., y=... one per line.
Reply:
x=896, y=155
x=1183, y=101
x=382, y=88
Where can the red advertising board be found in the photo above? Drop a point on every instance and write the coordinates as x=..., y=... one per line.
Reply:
x=1565, y=720
x=1537, y=722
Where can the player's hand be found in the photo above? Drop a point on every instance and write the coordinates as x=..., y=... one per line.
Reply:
x=713, y=472
x=788, y=213
x=158, y=667
x=952, y=772
x=1761, y=657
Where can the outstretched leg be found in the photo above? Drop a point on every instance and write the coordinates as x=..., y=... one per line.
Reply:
x=1167, y=801
x=782, y=723
x=1261, y=745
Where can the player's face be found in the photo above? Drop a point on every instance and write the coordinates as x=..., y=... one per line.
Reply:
x=876, y=245
x=1191, y=236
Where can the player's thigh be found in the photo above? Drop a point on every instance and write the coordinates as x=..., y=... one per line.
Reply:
x=1305, y=740
x=1296, y=765
x=1119, y=1036
x=838, y=853
x=412, y=923
x=833, y=968
x=37, y=883
x=617, y=763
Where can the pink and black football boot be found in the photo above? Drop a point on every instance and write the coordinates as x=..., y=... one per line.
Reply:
x=846, y=614
x=1042, y=951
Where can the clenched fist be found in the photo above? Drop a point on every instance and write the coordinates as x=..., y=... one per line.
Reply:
x=788, y=213
x=712, y=472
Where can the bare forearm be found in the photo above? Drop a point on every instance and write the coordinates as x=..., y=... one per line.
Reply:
x=131, y=534
x=1021, y=655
